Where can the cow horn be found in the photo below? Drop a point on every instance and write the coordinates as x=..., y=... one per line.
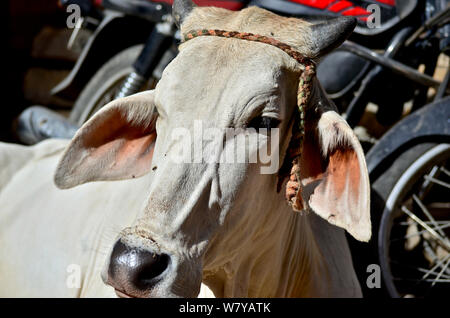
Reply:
x=330, y=34
x=181, y=9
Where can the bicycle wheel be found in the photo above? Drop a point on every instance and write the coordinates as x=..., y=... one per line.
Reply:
x=414, y=233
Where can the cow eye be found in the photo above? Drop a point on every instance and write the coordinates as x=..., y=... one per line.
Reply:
x=263, y=122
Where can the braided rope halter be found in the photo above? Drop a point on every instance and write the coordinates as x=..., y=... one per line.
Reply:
x=303, y=93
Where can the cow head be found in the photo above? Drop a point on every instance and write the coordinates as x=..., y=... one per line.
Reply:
x=204, y=215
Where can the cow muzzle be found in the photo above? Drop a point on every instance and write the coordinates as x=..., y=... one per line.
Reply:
x=134, y=271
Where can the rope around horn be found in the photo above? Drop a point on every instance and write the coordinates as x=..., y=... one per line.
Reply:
x=293, y=188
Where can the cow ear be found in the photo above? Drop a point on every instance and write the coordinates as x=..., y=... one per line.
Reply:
x=181, y=9
x=116, y=143
x=334, y=178
x=330, y=34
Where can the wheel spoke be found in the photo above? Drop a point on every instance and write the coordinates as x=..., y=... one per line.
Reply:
x=420, y=280
x=434, y=180
x=421, y=232
x=445, y=171
x=440, y=223
x=441, y=241
x=431, y=271
x=440, y=273
x=420, y=269
x=426, y=185
x=429, y=216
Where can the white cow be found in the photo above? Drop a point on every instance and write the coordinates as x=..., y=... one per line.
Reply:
x=173, y=226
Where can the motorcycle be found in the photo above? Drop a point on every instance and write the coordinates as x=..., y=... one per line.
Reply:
x=134, y=40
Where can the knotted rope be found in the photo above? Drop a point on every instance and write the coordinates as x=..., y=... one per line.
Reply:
x=293, y=189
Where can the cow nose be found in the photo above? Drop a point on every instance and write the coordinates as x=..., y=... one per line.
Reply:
x=135, y=270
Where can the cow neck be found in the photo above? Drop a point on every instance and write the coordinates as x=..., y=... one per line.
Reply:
x=303, y=95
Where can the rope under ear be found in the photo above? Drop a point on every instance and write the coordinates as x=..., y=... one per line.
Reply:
x=293, y=190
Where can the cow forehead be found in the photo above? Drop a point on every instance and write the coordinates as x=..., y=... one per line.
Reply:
x=291, y=31
x=215, y=75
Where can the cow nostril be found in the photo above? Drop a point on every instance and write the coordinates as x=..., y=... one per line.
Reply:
x=153, y=267
x=135, y=268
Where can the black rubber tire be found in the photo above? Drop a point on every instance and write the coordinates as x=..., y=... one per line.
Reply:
x=383, y=188
x=386, y=181
x=105, y=79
